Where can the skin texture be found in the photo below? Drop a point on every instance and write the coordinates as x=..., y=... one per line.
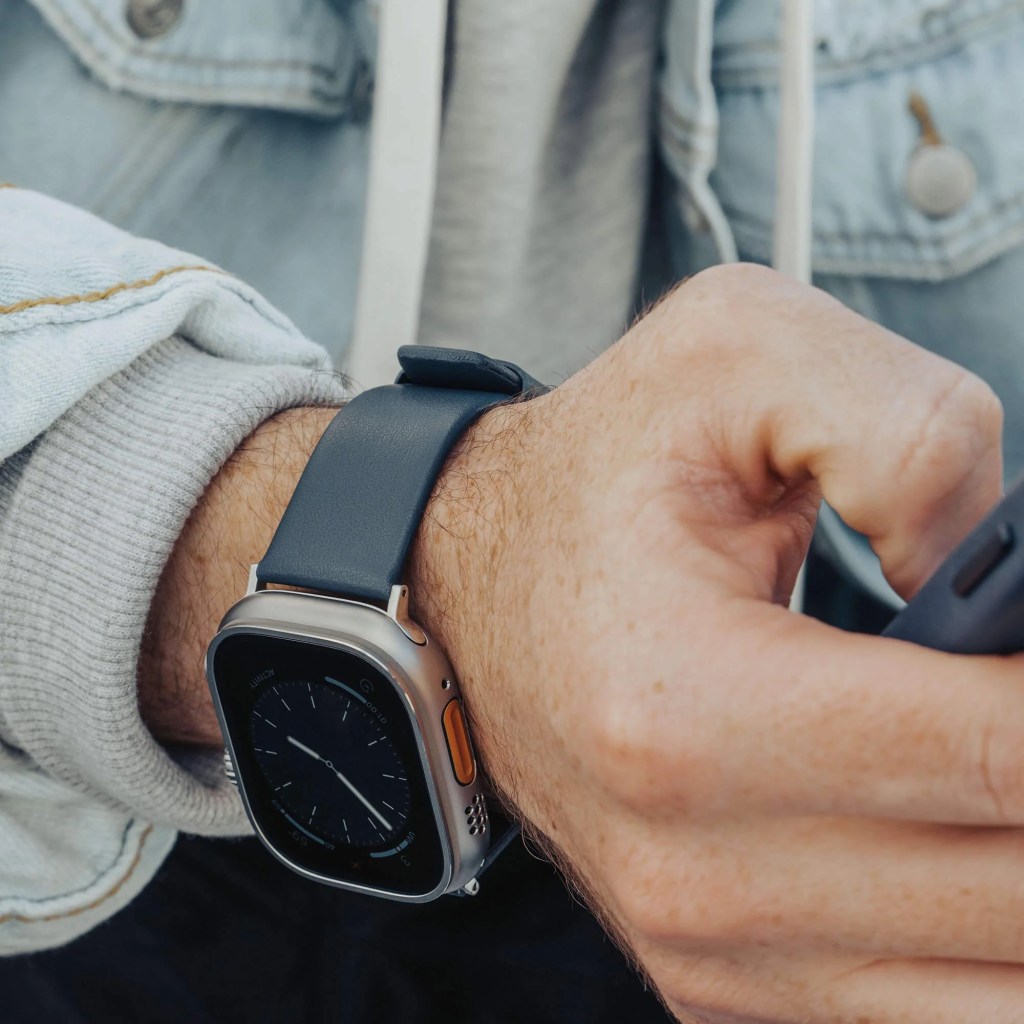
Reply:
x=208, y=572
x=782, y=822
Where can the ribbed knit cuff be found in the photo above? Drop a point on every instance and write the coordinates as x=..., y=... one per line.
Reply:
x=98, y=507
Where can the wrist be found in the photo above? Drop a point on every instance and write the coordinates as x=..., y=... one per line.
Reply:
x=461, y=549
x=462, y=570
x=228, y=530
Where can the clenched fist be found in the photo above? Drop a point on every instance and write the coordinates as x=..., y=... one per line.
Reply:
x=782, y=821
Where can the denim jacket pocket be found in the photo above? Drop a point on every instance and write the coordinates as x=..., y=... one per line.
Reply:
x=869, y=216
x=307, y=57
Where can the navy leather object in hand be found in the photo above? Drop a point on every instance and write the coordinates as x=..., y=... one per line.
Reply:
x=974, y=603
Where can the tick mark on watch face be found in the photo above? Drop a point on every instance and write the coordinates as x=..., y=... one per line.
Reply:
x=331, y=765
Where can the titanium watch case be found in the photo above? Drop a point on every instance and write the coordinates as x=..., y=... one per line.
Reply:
x=426, y=684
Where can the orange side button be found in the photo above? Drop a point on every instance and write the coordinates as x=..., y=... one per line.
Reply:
x=461, y=753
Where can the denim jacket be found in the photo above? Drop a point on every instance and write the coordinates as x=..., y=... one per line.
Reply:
x=235, y=137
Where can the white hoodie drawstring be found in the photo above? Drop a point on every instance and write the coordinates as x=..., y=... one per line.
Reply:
x=791, y=250
x=404, y=142
x=791, y=243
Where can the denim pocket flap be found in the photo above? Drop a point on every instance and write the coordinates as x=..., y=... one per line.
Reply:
x=894, y=195
x=307, y=57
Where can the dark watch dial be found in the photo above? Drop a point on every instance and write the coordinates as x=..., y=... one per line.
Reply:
x=327, y=758
x=331, y=763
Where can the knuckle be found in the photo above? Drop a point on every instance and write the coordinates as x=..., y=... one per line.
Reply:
x=719, y=297
x=996, y=771
x=746, y=314
x=954, y=416
x=706, y=990
x=636, y=892
x=737, y=279
x=987, y=409
x=697, y=901
x=968, y=402
x=699, y=995
x=643, y=895
x=712, y=305
x=619, y=747
x=643, y=758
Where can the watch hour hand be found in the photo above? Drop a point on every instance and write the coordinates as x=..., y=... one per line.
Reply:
x=306, y=750
x=366, y=803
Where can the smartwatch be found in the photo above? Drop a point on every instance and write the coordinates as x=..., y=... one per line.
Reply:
x=344, y=726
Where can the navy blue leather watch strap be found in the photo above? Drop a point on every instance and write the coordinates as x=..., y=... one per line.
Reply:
x=357, y=506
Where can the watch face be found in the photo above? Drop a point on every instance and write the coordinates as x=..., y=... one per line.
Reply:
x=327, y=757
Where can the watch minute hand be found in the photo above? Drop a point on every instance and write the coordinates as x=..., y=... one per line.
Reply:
x=359, y=796
x=366, y=803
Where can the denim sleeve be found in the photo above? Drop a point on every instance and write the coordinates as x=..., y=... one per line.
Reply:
x=129, y=372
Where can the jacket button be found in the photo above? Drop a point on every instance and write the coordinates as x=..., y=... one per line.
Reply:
x=940, y=180
x=149, y=19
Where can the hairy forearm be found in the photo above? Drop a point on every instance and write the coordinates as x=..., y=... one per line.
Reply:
x=464, y=565
x=228, y=531
x=234, y=522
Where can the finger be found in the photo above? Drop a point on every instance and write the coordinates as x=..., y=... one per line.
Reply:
x=772, y=989
x=838, y=885
x=847, y=725
x=929, y=992
x=905, y=445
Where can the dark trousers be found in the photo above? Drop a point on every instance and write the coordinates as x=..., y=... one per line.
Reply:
x=225, y=934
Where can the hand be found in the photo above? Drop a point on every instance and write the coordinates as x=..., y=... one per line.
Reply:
x=782, y=821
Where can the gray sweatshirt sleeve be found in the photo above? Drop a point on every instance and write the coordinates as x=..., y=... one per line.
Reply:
x=90, y=506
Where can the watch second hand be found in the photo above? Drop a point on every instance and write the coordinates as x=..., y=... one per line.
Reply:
x=366, y=803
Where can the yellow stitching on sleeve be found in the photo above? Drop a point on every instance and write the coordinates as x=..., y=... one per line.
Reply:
x=123, y=286
x=95, y=903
